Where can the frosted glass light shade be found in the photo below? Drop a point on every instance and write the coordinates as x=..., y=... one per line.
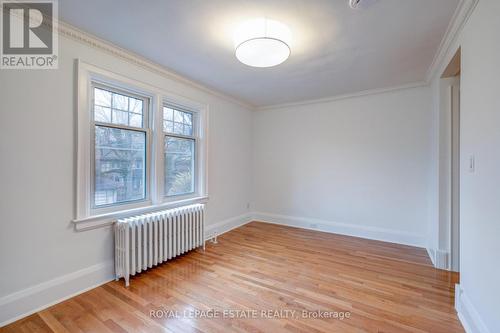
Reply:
x=262, y=43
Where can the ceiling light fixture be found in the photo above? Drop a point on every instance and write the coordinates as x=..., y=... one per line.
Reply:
x=262, y=42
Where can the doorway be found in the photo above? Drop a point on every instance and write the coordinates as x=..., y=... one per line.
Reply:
x=450, y=94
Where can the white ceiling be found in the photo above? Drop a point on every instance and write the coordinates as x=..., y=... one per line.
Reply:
x=335, y=50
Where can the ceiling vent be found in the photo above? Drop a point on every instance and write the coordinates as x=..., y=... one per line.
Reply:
x=357, y=4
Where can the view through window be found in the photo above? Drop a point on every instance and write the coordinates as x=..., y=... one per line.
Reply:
x=180, y=148
x=120, y=147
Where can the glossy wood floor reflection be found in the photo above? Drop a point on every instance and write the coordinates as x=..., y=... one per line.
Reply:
x=385, y=288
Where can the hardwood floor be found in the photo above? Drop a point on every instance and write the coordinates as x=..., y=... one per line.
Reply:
x=383, y=287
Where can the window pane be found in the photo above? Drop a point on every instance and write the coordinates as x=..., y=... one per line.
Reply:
x=120, y=102
x=168, y=126
x=188, y=130
x=178, y=117
x=168, y=114
x=102, y=114
x=188, y=118
x=179, y=166
x=136, y=105
x=135, y=120
x=120, y=117
x=102, y=97
x=178, y=128
x=120, y=165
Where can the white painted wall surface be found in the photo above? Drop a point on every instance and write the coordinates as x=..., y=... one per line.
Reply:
x=478, y=295
x=480, y=191
x=37, y=170
x=363, y=162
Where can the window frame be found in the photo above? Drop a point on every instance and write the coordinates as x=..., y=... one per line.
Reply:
x=146, y=129
x=86, y=215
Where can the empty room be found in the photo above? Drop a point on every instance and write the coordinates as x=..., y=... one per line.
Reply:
x=250, y=166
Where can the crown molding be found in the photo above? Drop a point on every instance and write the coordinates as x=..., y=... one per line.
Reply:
x=464, y=10
x=458, y=21
x=71, y=32
x=417, y=84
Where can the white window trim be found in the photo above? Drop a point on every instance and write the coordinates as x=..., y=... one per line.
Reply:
x=89, y=218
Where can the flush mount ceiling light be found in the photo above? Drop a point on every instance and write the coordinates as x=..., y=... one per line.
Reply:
x=262, y=42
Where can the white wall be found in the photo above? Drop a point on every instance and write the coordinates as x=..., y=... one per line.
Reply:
x=480, y=191
x=358, y=166
x=37, y=170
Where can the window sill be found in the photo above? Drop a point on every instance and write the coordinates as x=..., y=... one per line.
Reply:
x=104, y=220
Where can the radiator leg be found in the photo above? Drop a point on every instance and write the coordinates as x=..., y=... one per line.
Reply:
x=127, y=281
x=214, y=239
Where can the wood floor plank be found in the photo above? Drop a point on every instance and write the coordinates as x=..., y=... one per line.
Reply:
x=264, y=269
x=51, y=321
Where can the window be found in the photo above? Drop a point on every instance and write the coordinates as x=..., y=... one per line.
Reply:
x=139, y=148
x=179, y=148
x=120, y=164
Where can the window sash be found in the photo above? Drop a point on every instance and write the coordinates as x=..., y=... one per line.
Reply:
x=93, y=169
x=117, y=206
x=194, y=120
x=195, y=117
x=109, y=87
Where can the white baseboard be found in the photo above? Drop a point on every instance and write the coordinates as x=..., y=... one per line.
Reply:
x=227, y=225
x=386, y=235
x=33, y=299
x=467, y=313
x=442, y=259
x=432, y=255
